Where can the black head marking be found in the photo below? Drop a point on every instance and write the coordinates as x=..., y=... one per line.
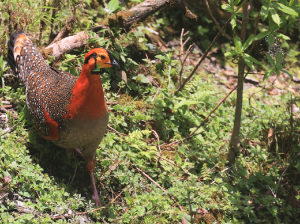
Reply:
x=93, y=55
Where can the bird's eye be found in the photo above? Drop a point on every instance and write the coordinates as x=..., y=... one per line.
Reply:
x=102, y=57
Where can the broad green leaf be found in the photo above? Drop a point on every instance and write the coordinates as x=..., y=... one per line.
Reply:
x=122, y=58
x=269, y=72
x=233, y=21
x=275, y=16
x=240, y=14
x=285, y=9
x=187, y=217
x=117, y=107
x=271, y=39
x=185, y=102
x=248, y=42
x=281, y=36
x=236, y=2
x=128, y=198
x=112, y=6
x=261, y=35
x=251, y=59
x=230, y=53
x=227, y=8
x=142, y=79
x=238, y=44
x=161, y=57
x=270, y=59
x=279, y=59
x=178, y=159
x=284, y=71
x=264, y=12
x=240, y=6
x=248, y=62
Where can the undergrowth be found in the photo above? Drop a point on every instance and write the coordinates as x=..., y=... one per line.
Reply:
x=148, y=169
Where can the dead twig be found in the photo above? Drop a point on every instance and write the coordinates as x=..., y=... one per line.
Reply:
x=8, y=130
x=189, y=50
x=201, y=59
x=157, y=137
x=281, y=176
x=216, y=107
x=215, y=21
x=160, y=187
x=156, y=92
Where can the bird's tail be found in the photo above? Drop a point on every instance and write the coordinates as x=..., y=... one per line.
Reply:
x=15, y=48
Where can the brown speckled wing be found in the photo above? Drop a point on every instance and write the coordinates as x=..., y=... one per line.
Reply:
x=47, y=90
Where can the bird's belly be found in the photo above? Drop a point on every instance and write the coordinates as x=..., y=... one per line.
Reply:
x=83, y=133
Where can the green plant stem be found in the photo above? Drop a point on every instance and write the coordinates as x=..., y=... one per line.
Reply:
x=235, y=138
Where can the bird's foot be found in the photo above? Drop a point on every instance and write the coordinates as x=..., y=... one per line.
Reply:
x=96, y=198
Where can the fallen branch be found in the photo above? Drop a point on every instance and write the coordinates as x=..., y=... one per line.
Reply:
x=123, y=19
x=66, y=30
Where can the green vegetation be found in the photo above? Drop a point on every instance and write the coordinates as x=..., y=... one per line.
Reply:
x=159, y=162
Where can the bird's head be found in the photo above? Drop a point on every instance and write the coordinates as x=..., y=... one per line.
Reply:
x=99, y=58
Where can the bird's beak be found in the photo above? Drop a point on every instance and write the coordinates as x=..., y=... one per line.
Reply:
x=113, y=61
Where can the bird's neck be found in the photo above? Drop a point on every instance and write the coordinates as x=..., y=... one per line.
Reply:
x=87, y=100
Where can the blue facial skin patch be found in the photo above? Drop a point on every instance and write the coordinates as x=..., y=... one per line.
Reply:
x=97, y=69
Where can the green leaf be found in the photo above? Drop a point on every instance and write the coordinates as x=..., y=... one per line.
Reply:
x=178, y=159
x=142, y=79
x=264, y=12
x=161, y=57
x=251, y=58
x=240, y=15
x=117, y=107
x=112, y=6
x=279, y=59
x=240, y=6
x=285, y=9
x=227, y=8
x=122, y=58
x=261, y=35
x=187, y=217
x=271, y=39
x=230, y=53
x=248, y=62
x=128, y=198
x=233, y=21
x=270, y=59
x=237, y=2
x=238, y=44
x=248, y=42
x=284, y=71
x=275, y=16
x=281, y=36
x=269, y=72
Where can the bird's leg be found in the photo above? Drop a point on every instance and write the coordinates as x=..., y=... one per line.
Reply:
x=90, y=166
x=74, y=150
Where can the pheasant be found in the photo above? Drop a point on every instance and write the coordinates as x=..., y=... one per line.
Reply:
x=70, y=112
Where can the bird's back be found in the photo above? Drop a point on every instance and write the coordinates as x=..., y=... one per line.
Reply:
x=48, y=90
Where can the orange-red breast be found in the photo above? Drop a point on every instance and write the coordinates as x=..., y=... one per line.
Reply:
x=70, y=112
